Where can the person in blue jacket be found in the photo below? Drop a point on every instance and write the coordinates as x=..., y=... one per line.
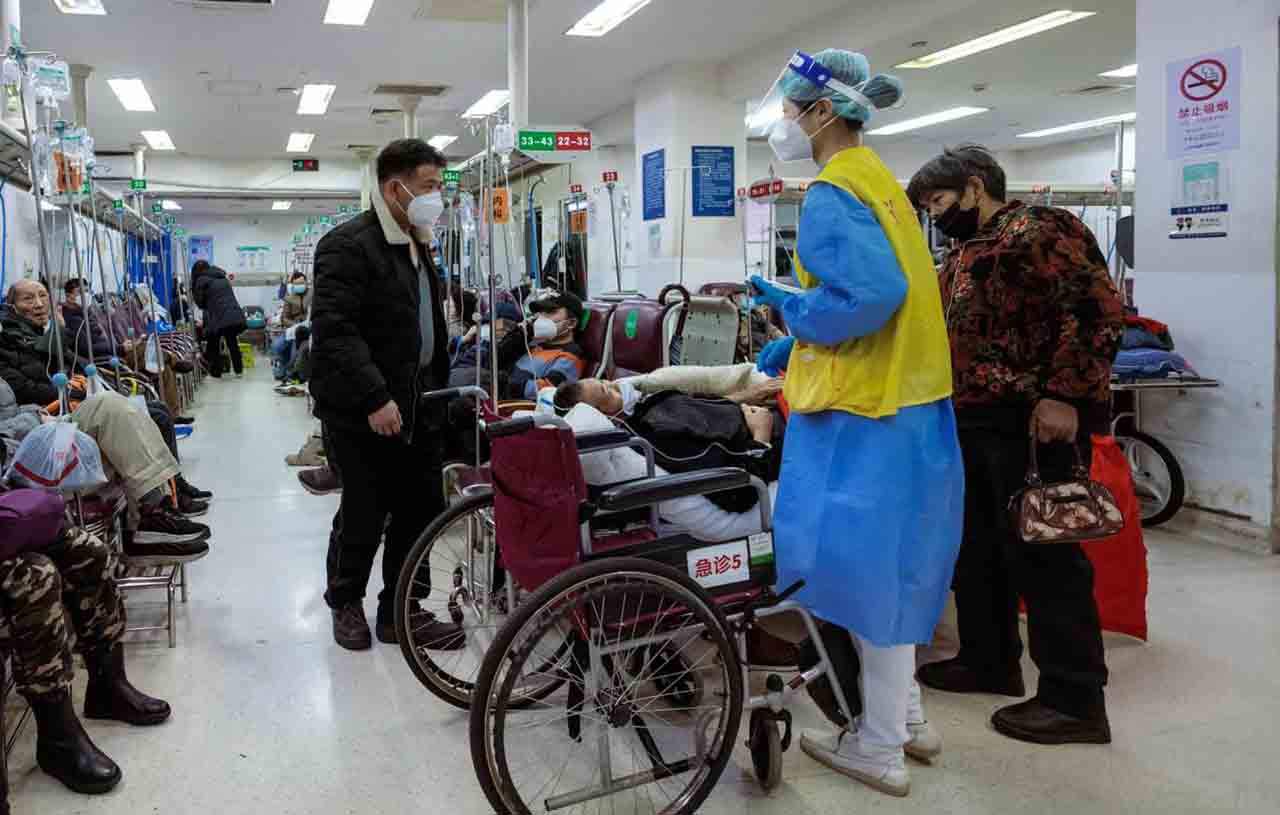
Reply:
x=870, y=497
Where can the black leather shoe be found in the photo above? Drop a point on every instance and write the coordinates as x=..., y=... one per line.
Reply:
x=351, y=629
x=64, y=750
x=110, y=695
x=428, y=631
x=954, y=676
x=1039, y=724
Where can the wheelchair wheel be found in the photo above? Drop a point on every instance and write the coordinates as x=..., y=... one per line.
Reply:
x=1157, y=477
x=766, y=750
x=622, y=733
x=452, y=574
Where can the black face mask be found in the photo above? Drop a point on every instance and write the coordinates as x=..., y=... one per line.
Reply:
x=960, y=224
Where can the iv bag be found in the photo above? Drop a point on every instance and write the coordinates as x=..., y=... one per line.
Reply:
x=51, y=78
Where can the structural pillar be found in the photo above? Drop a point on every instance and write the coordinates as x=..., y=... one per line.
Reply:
x=365, y=156
x=79, y=81
x=518, y=60
x=139, y=160
x=409, y=104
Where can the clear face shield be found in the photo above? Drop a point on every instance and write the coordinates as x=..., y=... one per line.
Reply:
x=804, y=80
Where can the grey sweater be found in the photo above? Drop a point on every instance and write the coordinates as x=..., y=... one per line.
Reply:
x=16, y=421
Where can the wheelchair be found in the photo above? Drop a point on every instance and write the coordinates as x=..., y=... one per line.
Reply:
x=611, y=660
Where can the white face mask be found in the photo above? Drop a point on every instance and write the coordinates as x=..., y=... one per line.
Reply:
x=424, y=209
x=790, y=142
x=545, y=328
x=630, y=395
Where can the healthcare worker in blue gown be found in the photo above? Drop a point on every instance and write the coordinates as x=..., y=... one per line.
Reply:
x=870, y=498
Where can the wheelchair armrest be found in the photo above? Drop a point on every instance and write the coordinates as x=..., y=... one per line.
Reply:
x=605, y=439
x=669, y=487
x=453, y=393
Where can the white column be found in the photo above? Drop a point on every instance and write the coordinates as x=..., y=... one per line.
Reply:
x=79, y=81
x=1219, y=295
x=139, y=160
x=10, y=22
x=409, y=104
x=365, y=156
x=518, y=60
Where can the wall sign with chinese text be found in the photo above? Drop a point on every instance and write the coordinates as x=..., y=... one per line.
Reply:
x=1202, y=107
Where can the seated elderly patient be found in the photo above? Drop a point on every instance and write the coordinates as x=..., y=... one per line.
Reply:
x=47, y=597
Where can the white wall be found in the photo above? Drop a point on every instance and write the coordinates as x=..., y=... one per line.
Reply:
x=228, y=232
x=1218, y=295
x=171, y=171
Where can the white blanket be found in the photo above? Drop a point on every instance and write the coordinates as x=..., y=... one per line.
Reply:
x=695, y=515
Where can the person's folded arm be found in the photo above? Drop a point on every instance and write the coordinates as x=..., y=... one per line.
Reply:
x=862, y=285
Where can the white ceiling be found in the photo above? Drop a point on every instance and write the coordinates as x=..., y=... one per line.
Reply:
x=172, y=46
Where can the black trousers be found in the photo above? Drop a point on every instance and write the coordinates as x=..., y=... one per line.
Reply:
x=213, y=353
x=382, y=478
x=995, y=568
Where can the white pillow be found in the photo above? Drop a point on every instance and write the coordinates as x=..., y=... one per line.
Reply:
x=605, y=466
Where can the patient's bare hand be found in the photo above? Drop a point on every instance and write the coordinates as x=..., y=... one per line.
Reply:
x=759, y=422
x=763, y=393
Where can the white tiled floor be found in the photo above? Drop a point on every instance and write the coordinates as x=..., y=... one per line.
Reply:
x=272, y=717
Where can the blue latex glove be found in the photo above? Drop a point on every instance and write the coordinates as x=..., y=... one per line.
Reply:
x=765, y=293
x=775, y=356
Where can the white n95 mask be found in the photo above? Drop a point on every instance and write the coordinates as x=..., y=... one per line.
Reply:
x=425, y=210
x=789, y=141
x=545, y=328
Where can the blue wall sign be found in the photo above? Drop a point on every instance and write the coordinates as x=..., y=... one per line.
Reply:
x=713, y=192
x=655, y=185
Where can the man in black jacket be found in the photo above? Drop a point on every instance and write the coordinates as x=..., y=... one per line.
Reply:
x=378, y=341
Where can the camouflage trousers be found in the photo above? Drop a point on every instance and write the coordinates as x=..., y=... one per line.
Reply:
x=39, y=591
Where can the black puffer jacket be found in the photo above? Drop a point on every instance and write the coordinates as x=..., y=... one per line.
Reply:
x=214, y=295
x=365, y=340
x=25, y=360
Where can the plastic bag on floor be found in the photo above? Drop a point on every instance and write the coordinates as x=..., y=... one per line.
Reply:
x=57, y=456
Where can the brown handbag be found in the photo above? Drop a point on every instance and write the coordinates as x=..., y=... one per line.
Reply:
x=1064, y=512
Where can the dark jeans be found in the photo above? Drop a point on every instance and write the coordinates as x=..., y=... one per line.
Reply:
x=995, y=568
x=213, y=353
x=381, y=477
x=164, y=421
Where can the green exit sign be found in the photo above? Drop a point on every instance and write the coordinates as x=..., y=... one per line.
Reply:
x=156, y=209
x=137, y=183
x=452, y=176
x=306, y=165
x=118, y=205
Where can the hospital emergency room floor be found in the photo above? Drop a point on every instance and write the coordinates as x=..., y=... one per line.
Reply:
x=270, y=716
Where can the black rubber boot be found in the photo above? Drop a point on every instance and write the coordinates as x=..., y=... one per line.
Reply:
x=111, y=696
x=64, y=751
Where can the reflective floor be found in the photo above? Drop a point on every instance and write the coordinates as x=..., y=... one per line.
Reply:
x=272, y=717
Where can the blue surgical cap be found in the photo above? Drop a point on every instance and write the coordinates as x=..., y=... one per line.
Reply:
x=853, y=70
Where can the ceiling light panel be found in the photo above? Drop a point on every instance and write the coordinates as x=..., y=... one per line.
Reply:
x=489, y=104
x=1127, y=72
x=299, y=142
x=606, y=17
x=348, y=12
x=315, y=99
x=281, y=206
x=170, y=205
x=442, y=141
x=996, y=39
x=158, y=139
x=1086, y=125
x=918, y=122
x=80, y=6
x=132, y=95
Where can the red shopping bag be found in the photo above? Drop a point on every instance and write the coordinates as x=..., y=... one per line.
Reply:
x=1120, y=561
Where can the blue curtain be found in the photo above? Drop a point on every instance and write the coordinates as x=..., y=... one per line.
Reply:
x=163, y=270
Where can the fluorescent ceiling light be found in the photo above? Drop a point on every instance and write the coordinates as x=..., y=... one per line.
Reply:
x=605, y=17
x=1127, y=72
x=1105, y=120
x=158, y=139
x=314, y=100
x=170, y=205
x=442, y=141
x=281, y=206
x=998, y=38
x=132, y=94
x=926, y=121
x=79, y=6
x=348, y=12
x=489, y=104
x=299, y=142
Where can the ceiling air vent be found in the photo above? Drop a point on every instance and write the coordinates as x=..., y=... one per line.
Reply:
x=359, y=147
x=1097, y=90
x=227, y=5
x=380, y=113
x=395, y=89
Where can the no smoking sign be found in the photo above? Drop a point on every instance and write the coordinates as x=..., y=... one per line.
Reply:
x=1204, y=80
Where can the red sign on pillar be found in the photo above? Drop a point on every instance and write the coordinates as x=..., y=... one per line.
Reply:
x=575, y=189
x=611, y=177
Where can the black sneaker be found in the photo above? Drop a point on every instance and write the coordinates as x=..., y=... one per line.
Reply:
x=190, y=490
x=320, y=481
x=163, y=525
x=184, y=420
x=192, y=507
x=351, y=629
x=167, y=552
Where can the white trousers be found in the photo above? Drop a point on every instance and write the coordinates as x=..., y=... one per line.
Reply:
x=890, y=698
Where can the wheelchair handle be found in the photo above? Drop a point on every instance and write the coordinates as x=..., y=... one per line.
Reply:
x=454, y=393
x=514, y=427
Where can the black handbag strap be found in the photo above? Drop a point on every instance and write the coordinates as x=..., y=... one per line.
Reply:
x=1033, y=464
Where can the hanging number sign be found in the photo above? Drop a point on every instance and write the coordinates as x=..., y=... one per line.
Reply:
x=138, y=184
x=118, y=205
x=575, y=189
x=610, y=177
x=156, y=209
x=452, y=176
x=554, y=146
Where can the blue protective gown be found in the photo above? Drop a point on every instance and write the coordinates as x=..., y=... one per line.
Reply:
x=869, y=511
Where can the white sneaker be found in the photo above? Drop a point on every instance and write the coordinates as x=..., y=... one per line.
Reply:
x=840, y=751
x=925, y=742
